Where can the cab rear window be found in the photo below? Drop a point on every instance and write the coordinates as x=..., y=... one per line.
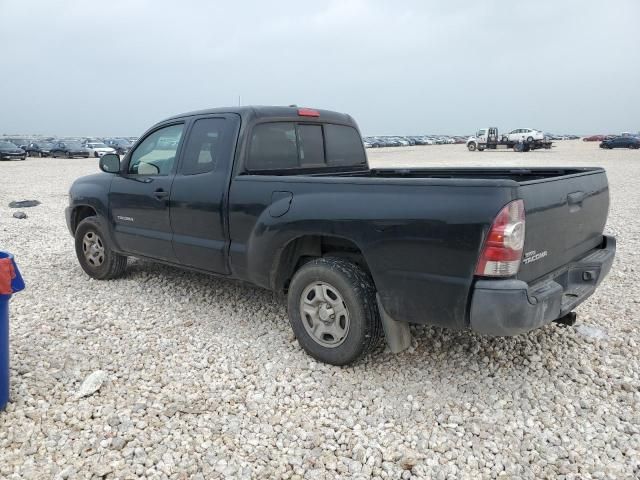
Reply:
x=290, y=145
x=344, y=145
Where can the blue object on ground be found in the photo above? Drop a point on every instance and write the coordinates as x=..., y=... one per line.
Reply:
x=16, y=284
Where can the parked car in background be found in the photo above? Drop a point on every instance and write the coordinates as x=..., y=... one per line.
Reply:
x=18, y=142
x=527, y=134
x=377, y=142
x=621, y=142
x=69, y=149
x=120, y=145
x=98, y=149
x=39, y=149
x=10, y=151
x=594, y=138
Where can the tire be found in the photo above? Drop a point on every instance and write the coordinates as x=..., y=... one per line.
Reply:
x=26, y=154
x=481, y=149
x=103, y=263
x=337, y=284
x=530, y=140
x=69, y=155
x=472, y=146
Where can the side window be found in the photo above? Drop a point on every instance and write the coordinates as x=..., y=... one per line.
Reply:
x=343, y=145
x=273, y=146
x=202, y=148
x=310, y=145
x=156, y=154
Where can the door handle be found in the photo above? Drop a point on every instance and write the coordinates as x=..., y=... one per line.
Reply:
x=160, y=194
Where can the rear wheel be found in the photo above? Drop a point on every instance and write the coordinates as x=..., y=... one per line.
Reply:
x=333, y=310
x=530, y=139
x=94, y=252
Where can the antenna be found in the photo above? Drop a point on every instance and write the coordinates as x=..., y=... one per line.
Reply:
x=238, y=100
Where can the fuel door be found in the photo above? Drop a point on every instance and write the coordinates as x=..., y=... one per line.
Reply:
x=280, y=203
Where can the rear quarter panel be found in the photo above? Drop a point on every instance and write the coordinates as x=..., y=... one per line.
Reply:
x=420, y=237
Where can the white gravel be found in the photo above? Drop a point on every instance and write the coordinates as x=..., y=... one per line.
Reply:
x=203, y=378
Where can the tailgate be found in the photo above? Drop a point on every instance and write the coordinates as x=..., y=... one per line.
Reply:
x=565, y=218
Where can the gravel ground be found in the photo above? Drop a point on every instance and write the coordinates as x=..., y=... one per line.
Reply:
x=202, y=378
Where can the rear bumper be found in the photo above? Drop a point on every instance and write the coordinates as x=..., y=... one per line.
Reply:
x=511, y=307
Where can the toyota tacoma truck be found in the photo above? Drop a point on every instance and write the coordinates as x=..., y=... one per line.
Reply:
x=283, y=198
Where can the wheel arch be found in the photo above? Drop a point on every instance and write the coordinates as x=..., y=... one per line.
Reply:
x=79, y=213
x=306, y=247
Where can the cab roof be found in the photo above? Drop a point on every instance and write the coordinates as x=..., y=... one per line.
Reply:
x=254, y=112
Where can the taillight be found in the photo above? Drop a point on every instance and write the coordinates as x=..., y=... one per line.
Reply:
x=502, y=250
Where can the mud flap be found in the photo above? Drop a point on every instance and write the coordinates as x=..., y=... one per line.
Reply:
x=396, y=333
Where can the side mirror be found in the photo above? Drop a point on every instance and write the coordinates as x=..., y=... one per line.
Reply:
x=110, y=163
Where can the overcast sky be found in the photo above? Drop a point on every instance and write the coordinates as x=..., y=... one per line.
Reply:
x=114, y=67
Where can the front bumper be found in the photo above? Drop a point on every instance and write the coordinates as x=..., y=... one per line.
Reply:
x=67, y=215
x=12, y=156
x=511, y=307
x=102, y=153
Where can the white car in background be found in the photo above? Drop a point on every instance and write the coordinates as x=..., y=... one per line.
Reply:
x=98, y=149
x=526, y=134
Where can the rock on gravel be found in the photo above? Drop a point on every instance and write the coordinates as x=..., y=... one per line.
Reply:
x=20, y=215
x=92, y=384
x=206, y=380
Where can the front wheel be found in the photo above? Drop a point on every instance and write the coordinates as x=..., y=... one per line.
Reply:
x=333, y=310
x=530, y=140
x=94, y=253
x=472, y=146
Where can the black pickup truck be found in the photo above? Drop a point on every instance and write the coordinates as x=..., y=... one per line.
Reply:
x=283, y=198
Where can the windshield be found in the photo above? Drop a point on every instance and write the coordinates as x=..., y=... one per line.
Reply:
x=72, y=145
x=4, y=144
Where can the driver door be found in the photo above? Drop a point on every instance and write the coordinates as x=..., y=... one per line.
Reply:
x=139, y=196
